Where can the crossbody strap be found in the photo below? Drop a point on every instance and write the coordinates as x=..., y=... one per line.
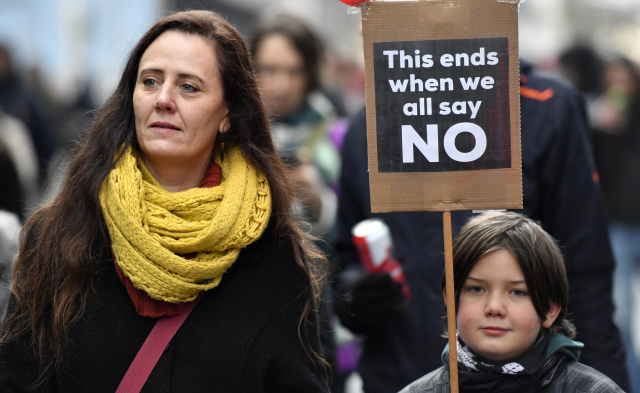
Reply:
x=151, y=350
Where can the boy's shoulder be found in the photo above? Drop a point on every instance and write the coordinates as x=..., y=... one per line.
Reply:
x=575, y=377
x=582, y=378
x=437, y=381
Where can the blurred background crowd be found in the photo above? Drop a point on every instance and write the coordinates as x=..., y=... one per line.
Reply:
x=59, y=60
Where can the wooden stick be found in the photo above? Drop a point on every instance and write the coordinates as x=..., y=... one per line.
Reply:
x=451, y=301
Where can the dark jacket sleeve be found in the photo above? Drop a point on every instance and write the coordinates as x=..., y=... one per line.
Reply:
x=19, y=363
x=292, y=348
x=354, y=198
x=19, y=368
x=294, y=368
x=560, y=191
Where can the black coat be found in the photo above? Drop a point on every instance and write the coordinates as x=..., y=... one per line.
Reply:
x=241, y=337
x=559, y=191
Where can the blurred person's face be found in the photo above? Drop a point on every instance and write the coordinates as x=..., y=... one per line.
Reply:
x=178, y=71
x=496, y=317
x=619, y=77
x=282, y=80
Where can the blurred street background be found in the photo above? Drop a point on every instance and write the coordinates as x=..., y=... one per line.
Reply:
x=68, y=55
x=74, y=44
x=71, y=49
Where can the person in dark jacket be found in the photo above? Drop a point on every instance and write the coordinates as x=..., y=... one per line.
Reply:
x=401, y=341
x=16, y=100
x=176, y=196
x=513, y=335
x=616, y=148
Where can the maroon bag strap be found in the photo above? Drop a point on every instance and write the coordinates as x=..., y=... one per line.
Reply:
x=151, y=350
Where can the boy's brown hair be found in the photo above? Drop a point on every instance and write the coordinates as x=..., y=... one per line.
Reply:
x=535, y=250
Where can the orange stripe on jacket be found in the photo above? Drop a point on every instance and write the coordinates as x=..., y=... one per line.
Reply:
x=534, y=94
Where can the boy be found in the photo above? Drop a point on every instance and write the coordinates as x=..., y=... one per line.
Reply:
x=511, y=310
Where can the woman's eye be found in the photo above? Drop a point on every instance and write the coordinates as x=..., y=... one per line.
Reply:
x=149, y=82
x=189, y=88
x=475, y=289
x=519, y=292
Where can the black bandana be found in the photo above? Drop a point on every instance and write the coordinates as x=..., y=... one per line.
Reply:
x=522, y=374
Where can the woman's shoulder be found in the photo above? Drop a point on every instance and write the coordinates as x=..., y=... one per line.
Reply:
x=271, y=246
x=271, y=257
x=578, y=377
x=436, y=381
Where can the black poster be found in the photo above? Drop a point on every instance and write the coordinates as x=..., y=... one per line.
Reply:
x=442, y=105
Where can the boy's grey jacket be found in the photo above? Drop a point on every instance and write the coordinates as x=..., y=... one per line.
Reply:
x=574, y=377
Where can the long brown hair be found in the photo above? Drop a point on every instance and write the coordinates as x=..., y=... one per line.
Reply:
x=63, y=242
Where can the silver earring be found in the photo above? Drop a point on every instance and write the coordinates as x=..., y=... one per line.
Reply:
x=156, y=104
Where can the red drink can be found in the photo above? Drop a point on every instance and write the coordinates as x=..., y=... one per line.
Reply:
x=372, y=239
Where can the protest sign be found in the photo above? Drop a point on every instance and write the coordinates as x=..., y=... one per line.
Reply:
x=443, y=115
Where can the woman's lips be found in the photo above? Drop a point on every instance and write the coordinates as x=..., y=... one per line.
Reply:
x=164, y=127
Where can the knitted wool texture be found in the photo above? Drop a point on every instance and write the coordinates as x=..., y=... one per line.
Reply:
x=150, y=226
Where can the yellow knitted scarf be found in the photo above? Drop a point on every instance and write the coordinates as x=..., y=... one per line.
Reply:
x=150, y=226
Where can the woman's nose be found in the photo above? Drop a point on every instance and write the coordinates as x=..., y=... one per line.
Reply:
x=165, y=99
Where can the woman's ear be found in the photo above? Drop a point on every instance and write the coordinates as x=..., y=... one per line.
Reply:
x=225, y=124
x=444, y=295
x=552, y=314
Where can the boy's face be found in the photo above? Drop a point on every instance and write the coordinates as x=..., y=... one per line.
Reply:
x=496, y=317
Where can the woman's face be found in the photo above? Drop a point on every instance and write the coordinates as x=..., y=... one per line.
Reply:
x=496, y=317
x=282, y=75
x=178, y=102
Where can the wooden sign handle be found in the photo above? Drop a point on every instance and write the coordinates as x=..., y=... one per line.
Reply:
x=451, y=301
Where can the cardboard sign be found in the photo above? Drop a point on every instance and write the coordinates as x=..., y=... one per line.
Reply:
x=443, y=105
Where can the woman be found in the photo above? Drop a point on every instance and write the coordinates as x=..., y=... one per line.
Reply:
x=177, y=182
x=305, y=127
